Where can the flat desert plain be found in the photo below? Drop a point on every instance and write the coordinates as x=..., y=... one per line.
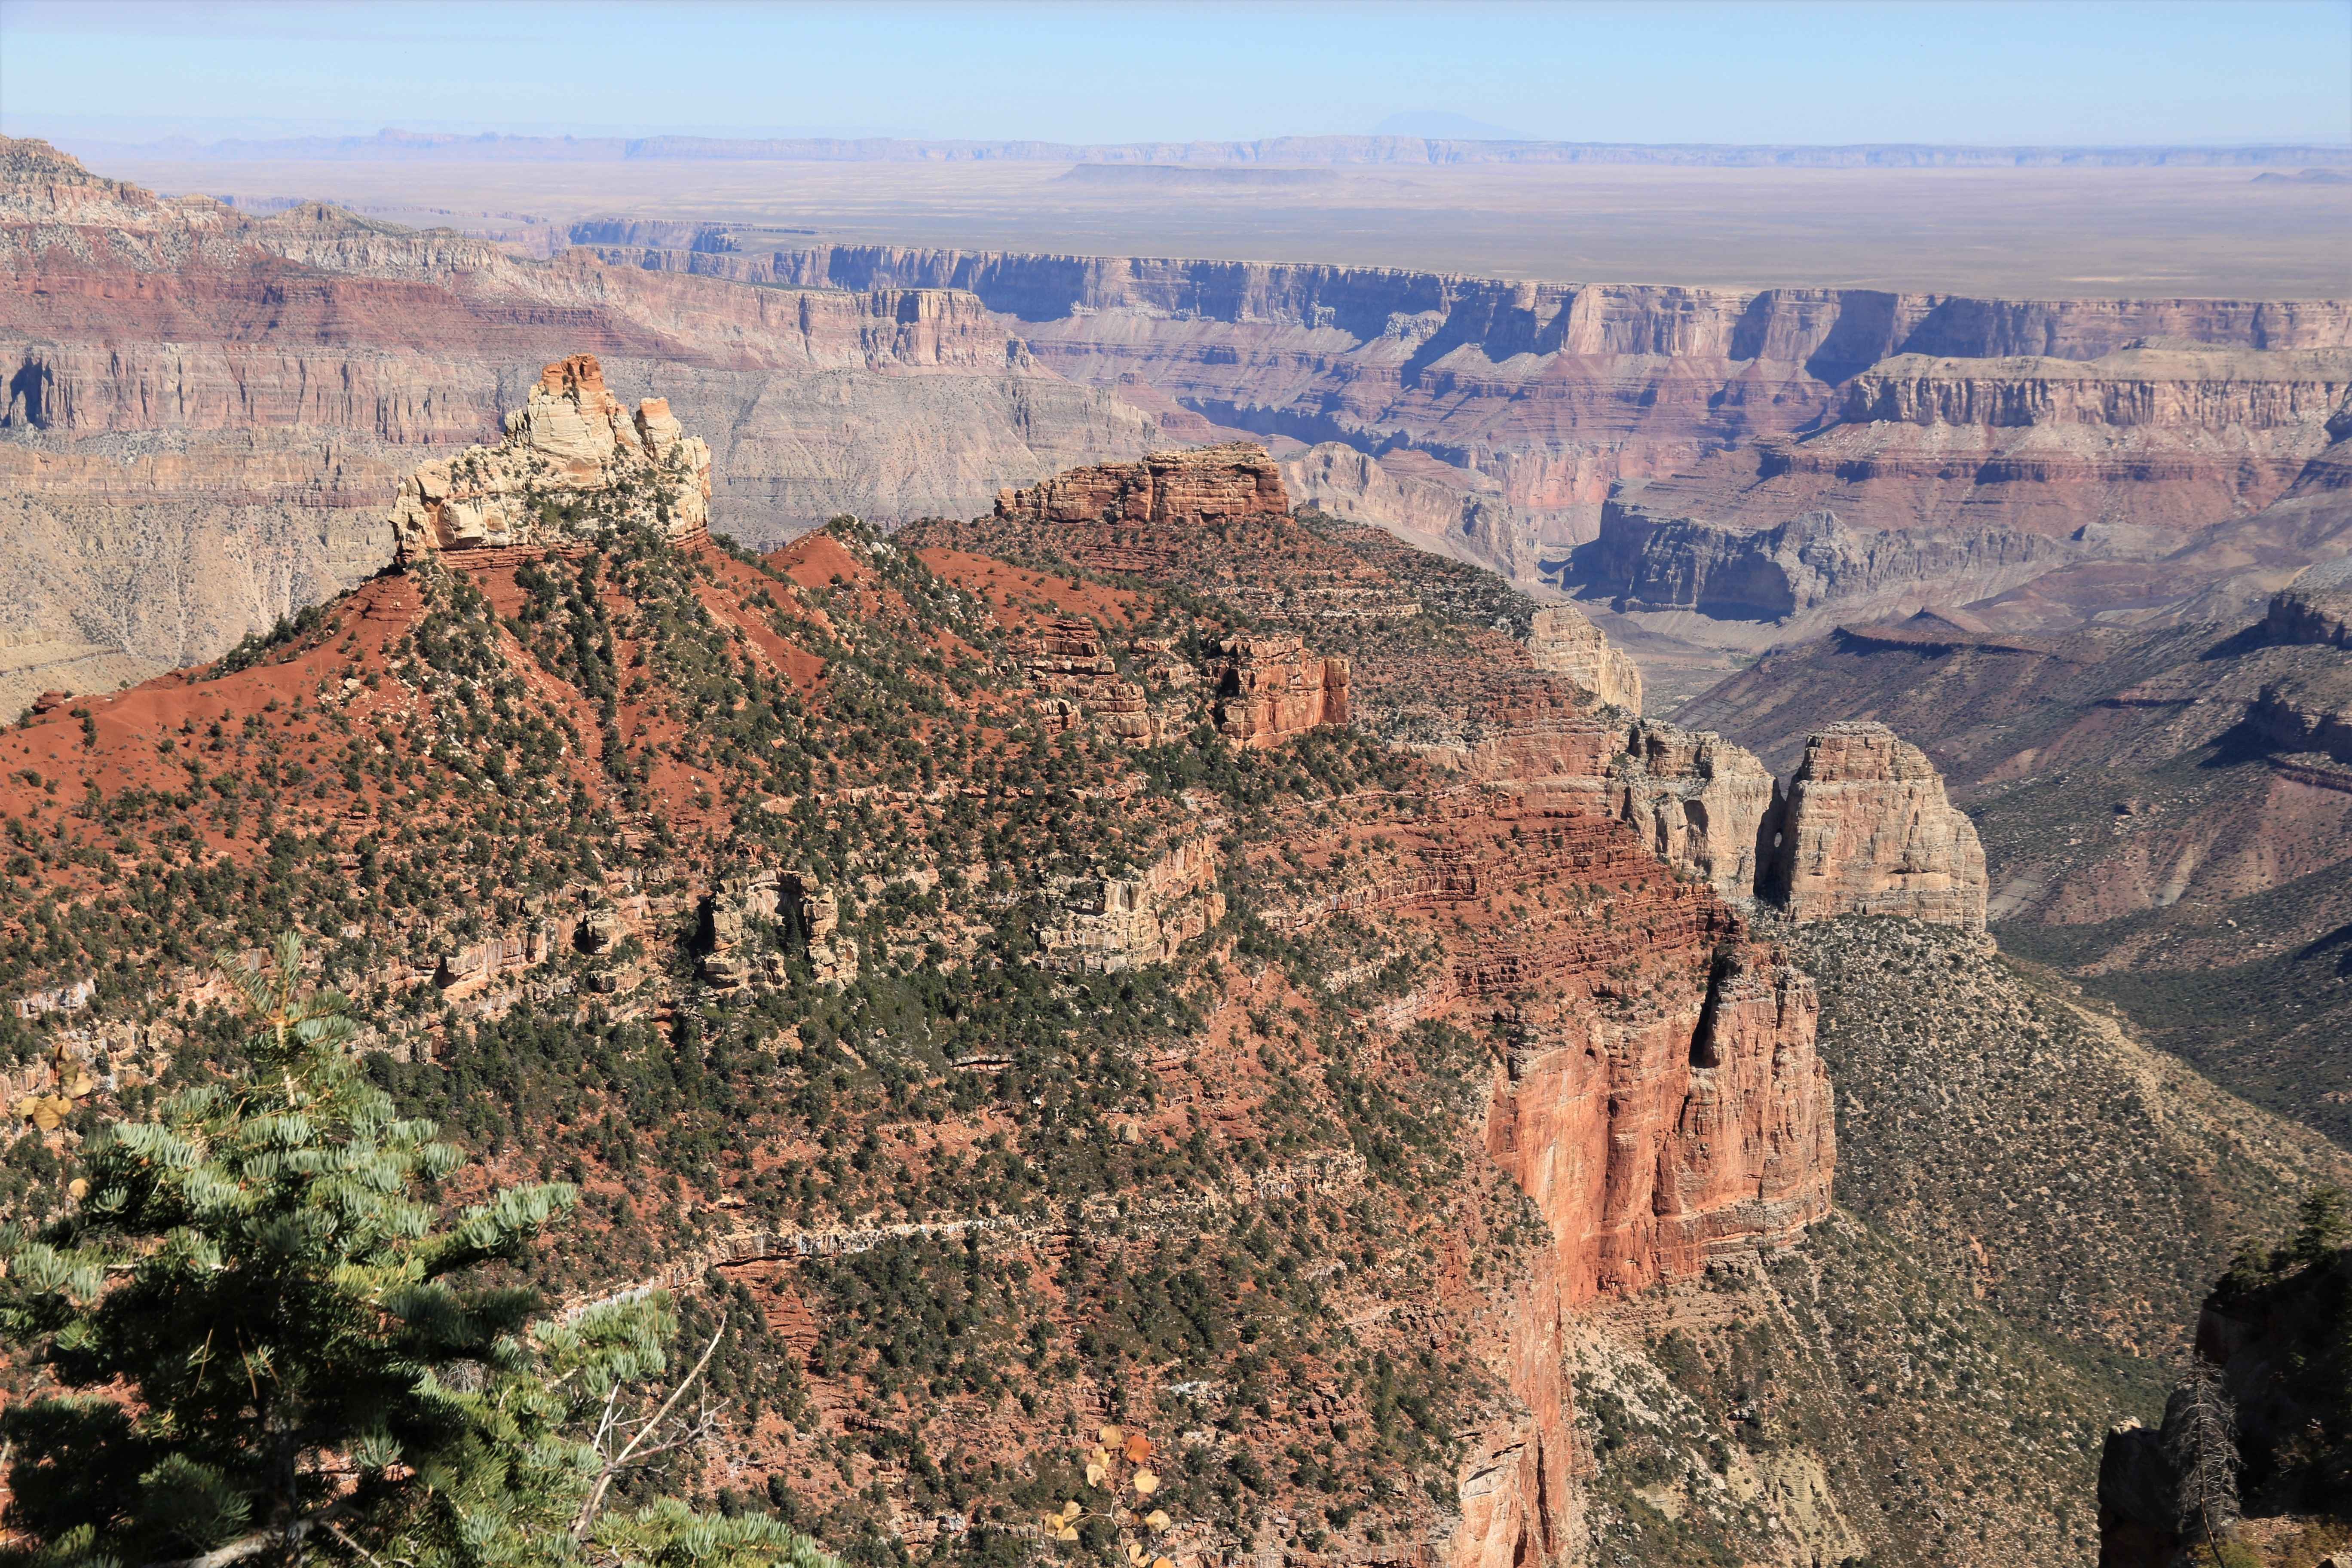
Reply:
x=2072, y=233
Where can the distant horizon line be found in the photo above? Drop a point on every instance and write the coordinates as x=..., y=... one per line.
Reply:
x=1334, y=149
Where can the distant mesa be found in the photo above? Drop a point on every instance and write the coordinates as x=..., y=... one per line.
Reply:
x=1445, y=123
x=2306, y=177
x=1184, y=177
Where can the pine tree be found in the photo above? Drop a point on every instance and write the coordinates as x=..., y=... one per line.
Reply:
x=267, y=1345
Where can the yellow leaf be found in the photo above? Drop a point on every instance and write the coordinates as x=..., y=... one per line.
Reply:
x=44, y=1117
x=1134, y=1552
x=1095, y=1474
x=1072, y=1509
x=1102, y=1458
x=1157, y=1519
x=1050, y=1520
x=1146, y=1482
x=78, y=1188
x=1065, y=1533
x=1110, y=1437
x=25, y=1107
x=81, y=1087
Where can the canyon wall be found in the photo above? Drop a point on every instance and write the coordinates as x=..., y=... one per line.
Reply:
x=1562, y=641
x=204, y=415
x=201, y=411
x=1963, y=448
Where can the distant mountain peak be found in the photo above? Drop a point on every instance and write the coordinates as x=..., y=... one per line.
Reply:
x=1444, y=125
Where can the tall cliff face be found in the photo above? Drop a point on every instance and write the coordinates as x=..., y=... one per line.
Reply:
x=1795, y=573
x=1564, y=641
x=1658, y=1100
x=1866, y=830
x=1272, y=689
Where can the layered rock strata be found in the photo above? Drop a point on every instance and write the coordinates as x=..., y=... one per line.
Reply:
x=1865, y=829
x=1272, y=689
x=1564, y=641
x=1493, y=419
x=1649, y=556
x=1076, y=679
x=1112, y=924
x=569, y=443
x=1194, y=487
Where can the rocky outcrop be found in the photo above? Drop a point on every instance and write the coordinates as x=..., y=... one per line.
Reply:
x=1108, y=925
x=1865, y=829
x=2308, y=709
x=2316, y=607
x=1699, y=802
x=1196, y=488
x=1564, y=642
x=1076, y=679
x=802, y=914
x=573, y=463
x=1270, y=689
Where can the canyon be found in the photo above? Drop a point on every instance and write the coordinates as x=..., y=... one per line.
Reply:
x=951, y=745
x=1829, y=451
x=205, y=413
x=1276, y=847
x=2163, y=810
x=1708, y=470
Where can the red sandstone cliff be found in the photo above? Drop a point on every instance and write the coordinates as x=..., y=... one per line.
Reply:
x=1272, y=689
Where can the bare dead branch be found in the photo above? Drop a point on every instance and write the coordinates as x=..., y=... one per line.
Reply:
x=596, y=1498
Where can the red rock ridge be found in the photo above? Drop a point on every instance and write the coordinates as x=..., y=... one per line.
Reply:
x=1184, y=489
x=1661, y=1102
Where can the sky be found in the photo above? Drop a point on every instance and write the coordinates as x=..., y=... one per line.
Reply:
x=1989, y=71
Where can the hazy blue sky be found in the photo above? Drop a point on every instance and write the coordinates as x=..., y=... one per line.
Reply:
x=2075, y=71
